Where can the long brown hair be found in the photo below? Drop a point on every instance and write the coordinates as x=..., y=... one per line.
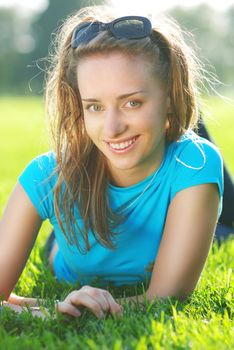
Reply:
x=81, y=168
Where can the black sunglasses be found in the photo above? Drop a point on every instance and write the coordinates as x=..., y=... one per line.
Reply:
x=128, y=27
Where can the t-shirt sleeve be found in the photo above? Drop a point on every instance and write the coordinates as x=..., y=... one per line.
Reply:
x=198, y=162
x=38, y=180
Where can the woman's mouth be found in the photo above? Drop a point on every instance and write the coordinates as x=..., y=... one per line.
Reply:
x=122, y=147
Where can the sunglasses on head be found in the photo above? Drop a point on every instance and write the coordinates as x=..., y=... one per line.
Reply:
x=128, y=27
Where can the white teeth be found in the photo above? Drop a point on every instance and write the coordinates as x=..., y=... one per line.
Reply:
x=122, y=145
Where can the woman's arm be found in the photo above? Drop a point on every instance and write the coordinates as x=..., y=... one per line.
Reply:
x=186, y=241
x=18, y=230
x=185, y=244
x=19, y=226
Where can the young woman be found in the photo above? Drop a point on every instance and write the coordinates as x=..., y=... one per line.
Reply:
x=132, y=192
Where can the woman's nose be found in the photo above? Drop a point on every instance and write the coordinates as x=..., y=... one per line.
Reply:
x=114, y=123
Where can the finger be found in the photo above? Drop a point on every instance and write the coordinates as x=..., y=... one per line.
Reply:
x=15, y=299
x=101, y=299
x=23, y=301
x=113, y=305
x=99, y=294
x=67, y=308
x=83, y=298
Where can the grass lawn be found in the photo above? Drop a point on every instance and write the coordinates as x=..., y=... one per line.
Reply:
x=204, y=321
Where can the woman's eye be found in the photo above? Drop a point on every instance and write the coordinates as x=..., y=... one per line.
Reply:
x=133, y=104
x=94, y=108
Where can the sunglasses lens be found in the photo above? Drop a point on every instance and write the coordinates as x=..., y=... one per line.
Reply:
x=85, y=34
x=131, y=29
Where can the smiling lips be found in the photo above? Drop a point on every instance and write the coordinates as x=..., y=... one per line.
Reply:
x=122, y=146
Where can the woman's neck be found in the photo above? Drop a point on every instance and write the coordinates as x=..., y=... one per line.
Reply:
x=130, y=177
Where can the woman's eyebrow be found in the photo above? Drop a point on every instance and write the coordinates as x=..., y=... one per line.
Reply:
x=118, y=98
x=130, y=94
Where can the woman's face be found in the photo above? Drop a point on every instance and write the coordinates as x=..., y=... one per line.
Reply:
x=125, y=113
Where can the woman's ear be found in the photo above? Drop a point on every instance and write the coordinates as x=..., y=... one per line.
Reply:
x=167, y=125
x=169, y=111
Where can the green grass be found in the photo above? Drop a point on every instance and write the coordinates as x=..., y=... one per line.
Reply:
x=204, y=321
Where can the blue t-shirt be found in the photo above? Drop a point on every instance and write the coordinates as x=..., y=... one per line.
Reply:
x=188, y=162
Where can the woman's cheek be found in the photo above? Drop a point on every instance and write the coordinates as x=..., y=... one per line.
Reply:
x=91, y=128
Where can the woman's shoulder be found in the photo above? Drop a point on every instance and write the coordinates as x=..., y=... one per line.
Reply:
x=196, y=161
x=38, y=179
x=196, y=151
x=40, y=167
x=43, y=162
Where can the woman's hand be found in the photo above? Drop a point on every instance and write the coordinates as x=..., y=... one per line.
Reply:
x=35, y=311
x=99, y=301
x=22, y=301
